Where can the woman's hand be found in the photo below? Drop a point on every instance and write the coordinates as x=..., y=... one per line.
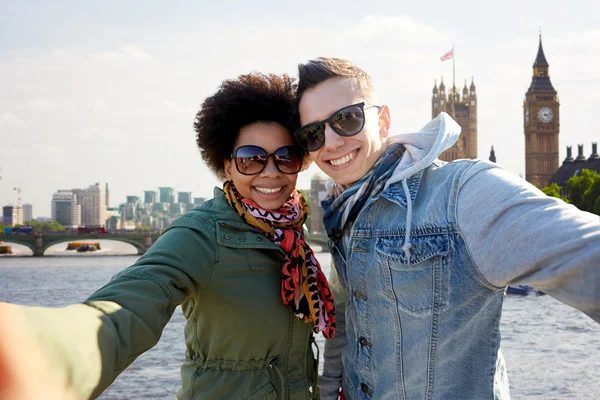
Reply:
x=24, y=371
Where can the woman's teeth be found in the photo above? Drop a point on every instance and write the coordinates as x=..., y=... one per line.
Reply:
x=269, y=190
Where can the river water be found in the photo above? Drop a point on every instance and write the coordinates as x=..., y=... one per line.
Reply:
x=552, y=351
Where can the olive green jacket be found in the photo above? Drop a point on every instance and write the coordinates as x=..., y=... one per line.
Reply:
x=241, y=341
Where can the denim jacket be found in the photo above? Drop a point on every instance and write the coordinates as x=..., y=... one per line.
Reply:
x=427, y=327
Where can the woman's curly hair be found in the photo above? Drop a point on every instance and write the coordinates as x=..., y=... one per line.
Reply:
x=239, y=102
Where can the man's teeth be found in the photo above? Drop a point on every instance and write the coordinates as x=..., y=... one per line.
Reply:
x=269, y=190
x=342, y=161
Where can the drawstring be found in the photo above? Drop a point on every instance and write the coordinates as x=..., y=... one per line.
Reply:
x=315, y=384
x=407, y=244
x=281, y=385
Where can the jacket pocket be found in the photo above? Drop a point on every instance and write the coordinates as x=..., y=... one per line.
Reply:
x=265, y=392
x=418, y=284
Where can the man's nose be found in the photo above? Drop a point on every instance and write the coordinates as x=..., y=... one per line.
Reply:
x=332, y=139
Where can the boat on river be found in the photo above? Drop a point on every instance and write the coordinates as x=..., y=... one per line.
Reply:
x=523, y=290
x=83, y=246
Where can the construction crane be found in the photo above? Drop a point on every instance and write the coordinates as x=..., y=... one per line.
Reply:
x=19, y=194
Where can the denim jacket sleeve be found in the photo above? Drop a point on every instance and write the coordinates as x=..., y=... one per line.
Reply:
x=330, y=381
x=89, y=344
x=522, y=236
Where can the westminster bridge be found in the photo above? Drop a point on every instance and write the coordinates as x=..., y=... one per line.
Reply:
x=40, y=242
x=141, y=240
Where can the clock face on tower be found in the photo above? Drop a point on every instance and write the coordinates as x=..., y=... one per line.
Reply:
x=545, y=115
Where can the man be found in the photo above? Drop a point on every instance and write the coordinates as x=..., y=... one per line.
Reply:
x=424, y=249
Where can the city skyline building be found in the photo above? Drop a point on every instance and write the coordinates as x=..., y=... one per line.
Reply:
x=65, y=209
x=184, y=197
x=318, y=192
x=27, y=212
x=166, y=195
x=12, y=215
x=93, y=207
x=150, y=196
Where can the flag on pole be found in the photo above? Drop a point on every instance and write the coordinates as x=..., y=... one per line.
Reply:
x=447, y=56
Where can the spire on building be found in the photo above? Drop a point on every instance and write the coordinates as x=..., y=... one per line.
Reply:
x=540, y=82
x=454, y=93
x=442, y=86
x=435, y=87
x=472, y=88
x=465, y=90
x=540, y=59
x=492, y=155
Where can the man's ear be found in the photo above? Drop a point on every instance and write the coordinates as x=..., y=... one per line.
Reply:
x=227, y=164
x=384, y=121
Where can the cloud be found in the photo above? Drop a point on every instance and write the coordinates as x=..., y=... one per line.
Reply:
x=578, y=42
x=124, y=53
x=398, y=29
x=12, y=121
x=135, y=52
x=170, y=105
x=43, y=104
x=98, y=104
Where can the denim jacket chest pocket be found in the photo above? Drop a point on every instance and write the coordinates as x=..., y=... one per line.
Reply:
x=419, y=284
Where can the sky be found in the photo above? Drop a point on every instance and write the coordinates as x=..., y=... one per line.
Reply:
x=107, y=91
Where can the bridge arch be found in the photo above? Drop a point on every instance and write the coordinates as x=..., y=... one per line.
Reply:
x=39, y=243
x=140, y=249
x=8, y=240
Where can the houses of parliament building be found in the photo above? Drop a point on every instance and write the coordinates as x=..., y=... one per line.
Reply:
x=541, y=125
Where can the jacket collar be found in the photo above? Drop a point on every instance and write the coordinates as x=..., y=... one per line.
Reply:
x=395, y=193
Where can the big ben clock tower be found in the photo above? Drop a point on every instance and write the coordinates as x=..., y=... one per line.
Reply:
x=541, y=124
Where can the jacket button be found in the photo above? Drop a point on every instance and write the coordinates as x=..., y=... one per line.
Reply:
x=227, y=236
x=363, y=341
x=242, y=239
x=364, y=387
x=358, y=295
x=259, y=238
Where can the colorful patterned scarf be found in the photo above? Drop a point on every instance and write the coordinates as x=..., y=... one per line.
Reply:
x=304, y=287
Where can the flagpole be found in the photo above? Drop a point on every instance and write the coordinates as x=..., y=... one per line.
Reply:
x=453, y=69
x=453, y=83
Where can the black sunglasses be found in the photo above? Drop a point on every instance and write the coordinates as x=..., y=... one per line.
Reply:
x=347, y=121
x=252, y=160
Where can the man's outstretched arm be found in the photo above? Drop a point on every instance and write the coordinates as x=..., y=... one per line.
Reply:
x=518, y=235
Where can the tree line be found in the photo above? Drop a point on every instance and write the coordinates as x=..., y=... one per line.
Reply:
x=583, y=191
x=38, y=226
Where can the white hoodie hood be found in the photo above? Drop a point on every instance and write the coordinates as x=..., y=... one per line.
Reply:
x=424, y=146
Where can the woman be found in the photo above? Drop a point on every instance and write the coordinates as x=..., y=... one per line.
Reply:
x=250, y=287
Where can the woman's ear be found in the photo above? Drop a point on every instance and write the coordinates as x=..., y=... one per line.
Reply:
x=227, y=164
